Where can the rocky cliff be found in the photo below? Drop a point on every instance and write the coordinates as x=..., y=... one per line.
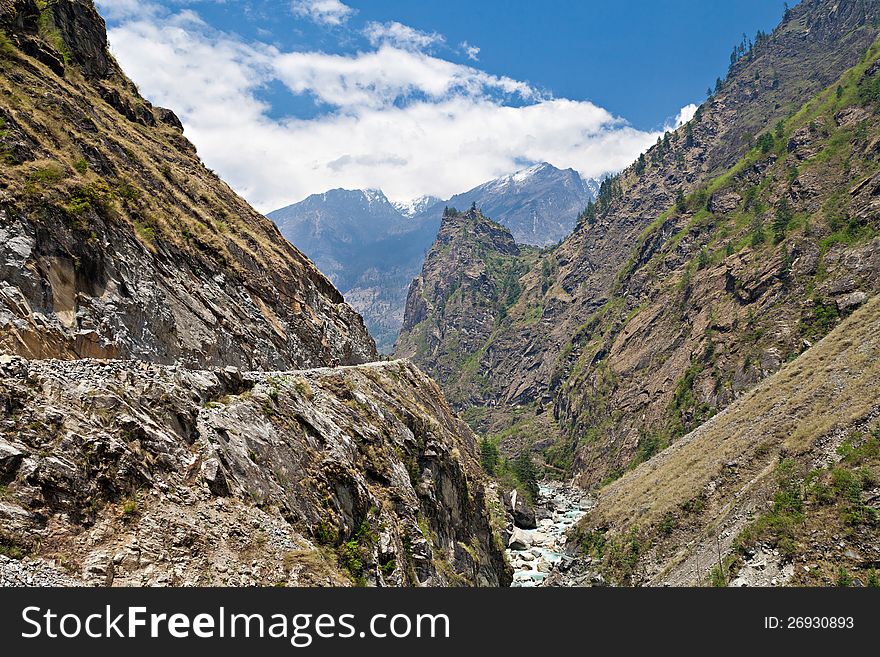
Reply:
x=158, y=423
x=470, y=275
x=117, y=242
x=586, y=334
x=131, y=473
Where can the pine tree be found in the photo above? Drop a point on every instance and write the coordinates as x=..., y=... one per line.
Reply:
x=488, y=456
x=680, y=201
x=783, y=218
x=640, y=165
x=525, y=471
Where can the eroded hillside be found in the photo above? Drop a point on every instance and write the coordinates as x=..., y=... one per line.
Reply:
x=780, y=488
x=117, y=242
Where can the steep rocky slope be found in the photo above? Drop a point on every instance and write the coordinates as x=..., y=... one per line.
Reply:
x=116, y=241
x=138, y=474
x=742, y=275
x=780, y=488
x=564, y=341
x=158, y=461
x=469, y=276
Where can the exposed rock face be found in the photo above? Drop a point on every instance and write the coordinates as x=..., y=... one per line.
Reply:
x=116, y=241
x=612, y=323
x=141, y=474
x=469, y=274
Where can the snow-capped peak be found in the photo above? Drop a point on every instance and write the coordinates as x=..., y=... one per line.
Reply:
x=416, y=205
x=523, y=175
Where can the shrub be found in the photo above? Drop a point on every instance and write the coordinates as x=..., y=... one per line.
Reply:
x=765, y=142
x=717, y=578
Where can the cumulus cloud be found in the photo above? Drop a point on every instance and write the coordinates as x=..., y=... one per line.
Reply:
x=685, y=114
x=324, y=12
x=400, y=35
x=392, y=118
x=470, y=51
x=382, y=77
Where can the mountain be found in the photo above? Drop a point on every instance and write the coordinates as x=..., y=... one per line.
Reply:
x=416, y=205
x=372, y=248
x=539, y=204
x=366, y=246
x=117, y=242
x=184, y=398
x=727, y=251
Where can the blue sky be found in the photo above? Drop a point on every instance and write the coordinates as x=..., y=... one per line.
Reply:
x=285, y=98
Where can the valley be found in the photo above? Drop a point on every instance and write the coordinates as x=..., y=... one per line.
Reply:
x=666, y=376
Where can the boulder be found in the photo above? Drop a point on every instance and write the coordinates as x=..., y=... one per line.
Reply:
x=10, y=458
x=519, y=540
x=851, y=301
x=523, y=515
x=212, y=473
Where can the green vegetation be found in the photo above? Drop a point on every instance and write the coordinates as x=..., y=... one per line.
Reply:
x=488, y=456
x=780, y=525
x=49, y=32
x=9, y=549
x=96, y=195
x=524, y=468
x=356, y=552
x=717, y=577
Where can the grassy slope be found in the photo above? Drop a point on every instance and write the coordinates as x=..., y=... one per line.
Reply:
x=717, y=482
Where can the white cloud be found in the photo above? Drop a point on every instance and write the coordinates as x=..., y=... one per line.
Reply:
x=685, y=114
x=325, y=12
x=400, y=35
x=470, y=51
x=389, y=74
x=400, y=120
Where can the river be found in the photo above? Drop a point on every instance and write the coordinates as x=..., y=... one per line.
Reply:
x=558, y=508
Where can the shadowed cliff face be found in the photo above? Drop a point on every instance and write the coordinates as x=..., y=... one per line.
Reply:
x=612, y=328
x=118, y=242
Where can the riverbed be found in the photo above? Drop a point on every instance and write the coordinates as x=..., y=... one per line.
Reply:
x=558, y=508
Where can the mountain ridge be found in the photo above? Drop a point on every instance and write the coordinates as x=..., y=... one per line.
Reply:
x=372, y=248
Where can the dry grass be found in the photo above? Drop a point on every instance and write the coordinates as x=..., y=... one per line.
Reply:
x=159, y=185
x=832, y=385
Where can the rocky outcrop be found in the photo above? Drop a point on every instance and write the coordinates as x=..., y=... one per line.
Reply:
x=129, y=473
x=116, y=241
x=522, y=513
x=468, y=277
